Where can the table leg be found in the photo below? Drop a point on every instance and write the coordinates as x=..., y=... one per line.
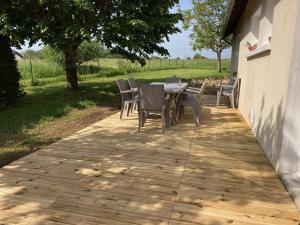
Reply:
x=168, y=108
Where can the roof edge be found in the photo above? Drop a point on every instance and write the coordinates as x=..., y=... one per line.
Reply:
x=234, y=12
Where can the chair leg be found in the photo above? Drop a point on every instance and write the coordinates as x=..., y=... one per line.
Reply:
x=218, y=98
x=144, y=117
x=132, y=107
x=122, y=110
x=179, y=113
x=231, y=97
x=163, y=122
x=140, y=122
x=129, y=107
x=174, y=117
x=196, y=115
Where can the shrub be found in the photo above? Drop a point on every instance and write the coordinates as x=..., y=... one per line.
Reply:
x=9, y=74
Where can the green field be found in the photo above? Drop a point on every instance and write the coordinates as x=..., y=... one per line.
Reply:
x=37, y=69
x=49, y=111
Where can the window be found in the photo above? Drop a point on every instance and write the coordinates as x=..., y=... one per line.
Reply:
x=255, y=25
x=261, y=23
x=265, y=27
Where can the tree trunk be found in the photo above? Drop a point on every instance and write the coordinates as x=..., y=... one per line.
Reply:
x=219, y=61
x=71, y=69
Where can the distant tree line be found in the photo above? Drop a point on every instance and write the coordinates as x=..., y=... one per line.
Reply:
x=87, y=51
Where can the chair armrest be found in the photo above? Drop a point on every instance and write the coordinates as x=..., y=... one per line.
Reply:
x=193, y=88
x=192, y=91
x=167, y=97
x=227, y=85
x=134, y=89
x=127, y=91
x=190, y=95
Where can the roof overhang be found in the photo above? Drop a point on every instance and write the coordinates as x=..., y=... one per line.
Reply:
x=234, y=12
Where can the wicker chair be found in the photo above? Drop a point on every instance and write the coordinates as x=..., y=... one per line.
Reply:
x=192, y=98
x=134, y=89
x=127, y=100
x=151, y=100
x=133, y=84
x=174, y=79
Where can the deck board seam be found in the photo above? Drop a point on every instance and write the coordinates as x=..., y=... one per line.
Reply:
x=181, y=177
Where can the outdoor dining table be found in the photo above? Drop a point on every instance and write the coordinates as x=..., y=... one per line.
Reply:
x=174, y=90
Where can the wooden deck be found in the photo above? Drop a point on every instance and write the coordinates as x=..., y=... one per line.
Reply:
x=214, y=174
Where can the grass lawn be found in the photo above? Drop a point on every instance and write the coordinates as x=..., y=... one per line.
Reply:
x=50, y=112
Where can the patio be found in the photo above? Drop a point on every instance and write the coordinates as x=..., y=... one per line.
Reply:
x=214, y=174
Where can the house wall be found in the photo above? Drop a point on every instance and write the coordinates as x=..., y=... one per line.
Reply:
x=289, y=167
x=265, y=78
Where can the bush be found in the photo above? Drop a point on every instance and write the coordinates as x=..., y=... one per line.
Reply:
x=39, y=69
x=9, y=74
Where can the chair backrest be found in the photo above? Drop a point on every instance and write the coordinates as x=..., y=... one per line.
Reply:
x=236, y=81
x=170, y=80
x=132, y=82
x=233, y=78
x=151, y=97
x=123, y=87
x=203, y=87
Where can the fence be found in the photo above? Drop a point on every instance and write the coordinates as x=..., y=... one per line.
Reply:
x=36, y=69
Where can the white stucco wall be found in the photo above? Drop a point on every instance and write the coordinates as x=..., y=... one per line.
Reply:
x=265, y=78
x=289, y=165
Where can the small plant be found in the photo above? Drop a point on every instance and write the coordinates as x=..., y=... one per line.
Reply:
x=250, y=46
x=270, y=39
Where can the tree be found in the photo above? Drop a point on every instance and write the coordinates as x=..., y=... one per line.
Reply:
x=133, y=28
x=206, y=19
x=9, y=75
x=90, y=50
x=86, y=51
x=12, y=31
x=199, y=56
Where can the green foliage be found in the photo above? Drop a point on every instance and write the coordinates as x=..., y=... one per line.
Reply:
x=52, y=55
x=107, y=67
x=90, y=50
x=199, y=56
x=130, y=28
x=9, y=74
x=133, y=29
x=17, y=21
x=39, y=69
x=30, y=54
x=86, y=51
x=206, y=19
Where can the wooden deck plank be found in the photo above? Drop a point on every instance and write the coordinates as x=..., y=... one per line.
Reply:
x=109, y=174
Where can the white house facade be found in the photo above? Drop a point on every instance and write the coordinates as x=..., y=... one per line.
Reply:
x=269, y=96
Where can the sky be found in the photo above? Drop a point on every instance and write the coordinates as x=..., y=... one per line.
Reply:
x=180, y=43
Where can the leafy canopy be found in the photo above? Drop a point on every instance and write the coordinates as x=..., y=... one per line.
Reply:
x=206, y=19
x=17, y=20
x=133, y=28
x=86, y=51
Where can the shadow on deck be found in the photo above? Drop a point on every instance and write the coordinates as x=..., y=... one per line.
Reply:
x=107, y=173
